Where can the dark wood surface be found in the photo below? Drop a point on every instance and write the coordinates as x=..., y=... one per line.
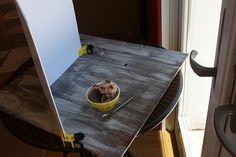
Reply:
x=140, y=71
x=24, y=98
x=146, y=76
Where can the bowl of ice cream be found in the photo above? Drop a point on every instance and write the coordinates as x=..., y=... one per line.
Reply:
x=103, y=95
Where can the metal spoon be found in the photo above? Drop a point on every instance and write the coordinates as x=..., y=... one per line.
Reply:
x=108, y=115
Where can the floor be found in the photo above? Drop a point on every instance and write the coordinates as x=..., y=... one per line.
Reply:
x=10, y=146
x=153, y=144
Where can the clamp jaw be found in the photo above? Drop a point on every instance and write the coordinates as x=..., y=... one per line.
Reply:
x=72, y=140
x=86, y=49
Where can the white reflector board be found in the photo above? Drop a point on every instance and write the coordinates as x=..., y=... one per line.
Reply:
x=51, y=30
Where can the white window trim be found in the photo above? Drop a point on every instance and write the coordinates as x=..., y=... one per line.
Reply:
x=174, y=37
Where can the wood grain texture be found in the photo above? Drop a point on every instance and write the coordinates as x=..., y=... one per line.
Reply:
x=141, y=72
x=24, y=99
x=148, y=73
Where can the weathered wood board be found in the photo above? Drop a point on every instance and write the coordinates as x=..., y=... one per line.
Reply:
x=24, y=98
x=141, y=72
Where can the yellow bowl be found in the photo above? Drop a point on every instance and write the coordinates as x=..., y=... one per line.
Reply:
x=104, y=106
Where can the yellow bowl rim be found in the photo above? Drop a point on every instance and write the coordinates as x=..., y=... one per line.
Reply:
x=100, y=103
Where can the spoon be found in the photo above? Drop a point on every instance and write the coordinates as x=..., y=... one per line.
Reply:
x=108, y=115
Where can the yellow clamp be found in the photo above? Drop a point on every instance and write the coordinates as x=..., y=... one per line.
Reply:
x=71, y=140
x=86, y=49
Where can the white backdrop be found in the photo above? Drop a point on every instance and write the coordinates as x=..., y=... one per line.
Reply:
x=51, y=30
x=52, y=25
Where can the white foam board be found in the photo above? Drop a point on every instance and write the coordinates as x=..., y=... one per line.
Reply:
x=51, y=30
